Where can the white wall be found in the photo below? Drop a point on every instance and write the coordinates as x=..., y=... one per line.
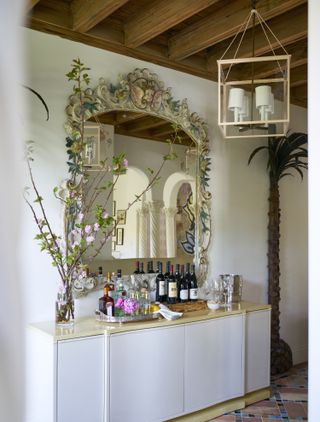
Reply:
x=11, y=308
x=239, y=205
x=314, y=209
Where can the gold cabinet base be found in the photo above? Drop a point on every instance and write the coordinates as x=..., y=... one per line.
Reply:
x=219, y=409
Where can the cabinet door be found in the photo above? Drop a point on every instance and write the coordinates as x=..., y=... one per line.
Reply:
x=214, y=362
x=146, y=375
x=257, y=350
x=80, y=380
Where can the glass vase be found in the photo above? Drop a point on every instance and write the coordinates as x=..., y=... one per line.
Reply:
x=64, y=310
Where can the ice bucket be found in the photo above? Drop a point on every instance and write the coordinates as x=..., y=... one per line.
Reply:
x=232, y=286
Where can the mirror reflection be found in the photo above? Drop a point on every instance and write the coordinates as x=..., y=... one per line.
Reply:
x=162, y=224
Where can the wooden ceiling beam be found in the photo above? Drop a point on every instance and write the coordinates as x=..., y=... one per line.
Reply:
x=57, y=12
x=159, y=16
x=299, y=95
x=30, y=5
x=299, y=76
x=145, y=122
x=104, y=40
x=222, y=24
x=287, y=35
x=88, y=13
x=299, y=57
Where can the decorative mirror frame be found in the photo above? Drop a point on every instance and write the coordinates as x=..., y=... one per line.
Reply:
x=142, y=91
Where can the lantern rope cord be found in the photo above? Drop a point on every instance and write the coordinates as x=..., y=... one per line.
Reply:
x=245, y=25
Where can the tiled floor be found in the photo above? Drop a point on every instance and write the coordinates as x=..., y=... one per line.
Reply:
x=288, y=403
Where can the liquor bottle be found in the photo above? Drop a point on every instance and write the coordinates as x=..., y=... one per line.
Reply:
x=160, y=285
x=193, y=285
x=141, y=268
x=167, y=273
x=184, y=287
x=110, y=284
x=106, y=302
x=172, y=287
x=137, y=270
x=150, y=267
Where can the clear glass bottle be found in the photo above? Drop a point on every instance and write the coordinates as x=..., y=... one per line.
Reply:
x=120, y=294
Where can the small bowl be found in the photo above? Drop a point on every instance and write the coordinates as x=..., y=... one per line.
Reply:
x=212, y=305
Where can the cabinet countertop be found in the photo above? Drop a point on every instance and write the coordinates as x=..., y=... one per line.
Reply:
x=88, y=326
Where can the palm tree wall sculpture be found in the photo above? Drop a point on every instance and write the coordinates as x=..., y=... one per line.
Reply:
x=284, y=155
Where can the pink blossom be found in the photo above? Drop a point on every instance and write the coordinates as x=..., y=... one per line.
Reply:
x=119, y=303
x=88, y=229
x=80, y=216
x=96, y=227
x=130, y=306
x=105, y=215
x=125, y=162
x=90, y=239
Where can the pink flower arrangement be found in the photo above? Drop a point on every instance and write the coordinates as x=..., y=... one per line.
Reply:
x=129, y=306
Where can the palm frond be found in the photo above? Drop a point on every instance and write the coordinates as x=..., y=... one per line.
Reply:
x=40, y=98
x=255, y=151
x=285, y=154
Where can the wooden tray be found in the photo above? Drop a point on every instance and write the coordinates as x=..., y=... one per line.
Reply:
x=199, y=305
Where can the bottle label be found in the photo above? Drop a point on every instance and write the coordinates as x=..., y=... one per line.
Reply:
x=193, y=294
x=162, y=288
x=184, y=294
x=172, y=289
x=109, y=309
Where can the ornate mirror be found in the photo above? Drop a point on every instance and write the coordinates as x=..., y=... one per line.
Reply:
x=139, y=117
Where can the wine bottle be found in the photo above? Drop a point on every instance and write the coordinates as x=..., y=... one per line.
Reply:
x=160, y=285
x=177, y=277
x=137, y=270
x=172, y=287
x=184, y=287
x=106, y=302
x=150, y=267
x=141, y=268
x=193, y=285
x=167, y=273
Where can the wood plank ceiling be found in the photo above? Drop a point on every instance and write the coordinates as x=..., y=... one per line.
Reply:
x=186, y=35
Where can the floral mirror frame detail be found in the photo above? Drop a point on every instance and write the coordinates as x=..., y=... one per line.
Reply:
x=142, y=91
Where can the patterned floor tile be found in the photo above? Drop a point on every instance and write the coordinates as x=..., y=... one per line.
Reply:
x=288, y=402
x=293, y=394
x=295, y=410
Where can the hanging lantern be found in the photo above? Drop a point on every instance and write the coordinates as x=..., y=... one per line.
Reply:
x=254, y=92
